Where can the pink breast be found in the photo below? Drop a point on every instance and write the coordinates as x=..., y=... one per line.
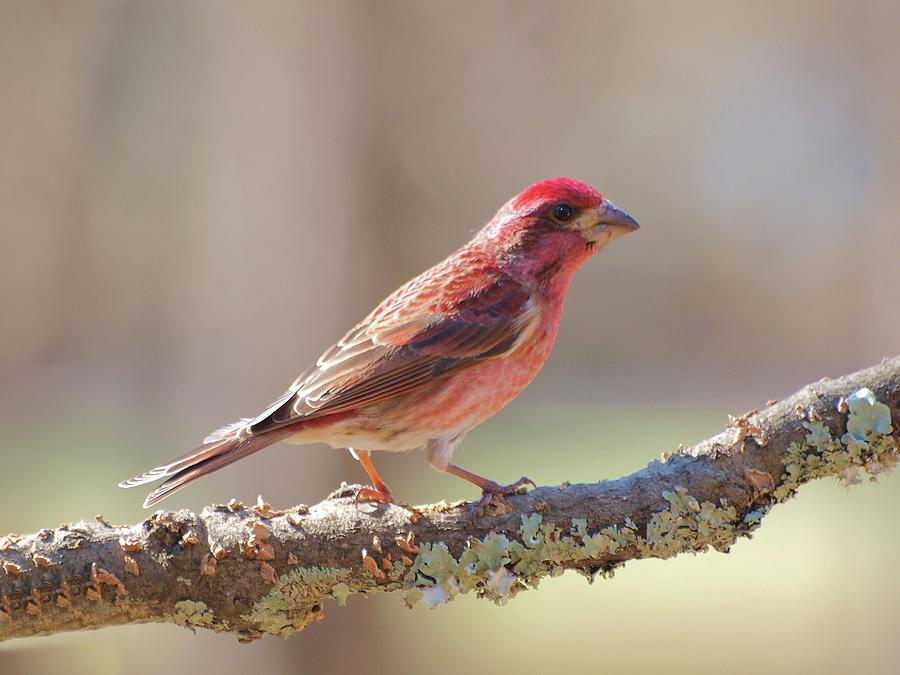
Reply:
x=476, y=394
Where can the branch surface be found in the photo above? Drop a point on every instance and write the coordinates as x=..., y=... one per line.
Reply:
x=254, y=570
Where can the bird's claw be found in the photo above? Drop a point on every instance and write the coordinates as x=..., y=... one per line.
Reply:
x=492, y=502
x=373, y=494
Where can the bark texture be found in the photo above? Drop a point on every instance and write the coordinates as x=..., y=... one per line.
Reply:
x=254, y=570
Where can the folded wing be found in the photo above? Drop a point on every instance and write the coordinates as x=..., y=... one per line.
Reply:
x=380, y=359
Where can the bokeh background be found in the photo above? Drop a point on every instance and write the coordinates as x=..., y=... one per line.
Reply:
x=198, y=197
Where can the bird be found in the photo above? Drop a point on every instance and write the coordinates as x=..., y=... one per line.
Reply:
x=437, y=357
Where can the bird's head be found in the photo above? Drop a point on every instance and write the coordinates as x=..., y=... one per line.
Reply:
x=554, y=225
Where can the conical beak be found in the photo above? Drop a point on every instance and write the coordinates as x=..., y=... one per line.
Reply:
x=612, y=222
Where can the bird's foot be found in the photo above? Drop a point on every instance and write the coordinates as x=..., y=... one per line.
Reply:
x=373, y=494
x=370, y=494
x=492, y=502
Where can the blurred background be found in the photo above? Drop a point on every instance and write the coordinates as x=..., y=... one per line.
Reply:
x=199, y=197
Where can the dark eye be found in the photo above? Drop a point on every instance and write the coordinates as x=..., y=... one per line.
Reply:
x=562, y=212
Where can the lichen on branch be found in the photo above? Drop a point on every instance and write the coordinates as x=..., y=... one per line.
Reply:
x=256, y=570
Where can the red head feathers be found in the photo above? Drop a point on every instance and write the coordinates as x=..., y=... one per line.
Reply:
x=565, y=190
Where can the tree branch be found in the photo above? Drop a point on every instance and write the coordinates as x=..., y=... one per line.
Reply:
x=252, y=571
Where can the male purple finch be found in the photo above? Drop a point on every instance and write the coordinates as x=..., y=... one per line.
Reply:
x=437, y=357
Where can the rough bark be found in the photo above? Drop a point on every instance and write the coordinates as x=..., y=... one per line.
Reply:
x=253, y=570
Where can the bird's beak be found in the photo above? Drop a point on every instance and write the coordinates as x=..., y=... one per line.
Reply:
x=611, y=222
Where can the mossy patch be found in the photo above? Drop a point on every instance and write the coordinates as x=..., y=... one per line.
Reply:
x=689, y=526
x=191, y=614
x=868, y=448
x=297, y=599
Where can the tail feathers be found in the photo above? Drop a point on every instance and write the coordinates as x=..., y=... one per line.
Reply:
x=199, y=462
x=227, y=452
x=230, y=429
x=179, y=463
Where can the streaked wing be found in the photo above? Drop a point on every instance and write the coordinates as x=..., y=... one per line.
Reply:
x=380, y=358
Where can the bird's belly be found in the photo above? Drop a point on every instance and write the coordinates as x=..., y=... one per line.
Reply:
x=478, y=393
x=446, y=408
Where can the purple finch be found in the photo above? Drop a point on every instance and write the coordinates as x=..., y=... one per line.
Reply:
x=440, y=355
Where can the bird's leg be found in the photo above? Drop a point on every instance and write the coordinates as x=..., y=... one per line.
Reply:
x=379, y=492
x=489, y=489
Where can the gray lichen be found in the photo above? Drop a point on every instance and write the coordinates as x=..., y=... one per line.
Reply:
x=689, y=526
x=297, y=599
x=191, y=614
x=866, y=448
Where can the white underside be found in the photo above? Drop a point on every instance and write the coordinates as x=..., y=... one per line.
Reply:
x=438, y=451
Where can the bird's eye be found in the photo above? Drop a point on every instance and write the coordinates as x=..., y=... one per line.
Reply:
x=562, y=212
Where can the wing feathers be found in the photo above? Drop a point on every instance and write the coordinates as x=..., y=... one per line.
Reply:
x=228, y=430
x=372, y=363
